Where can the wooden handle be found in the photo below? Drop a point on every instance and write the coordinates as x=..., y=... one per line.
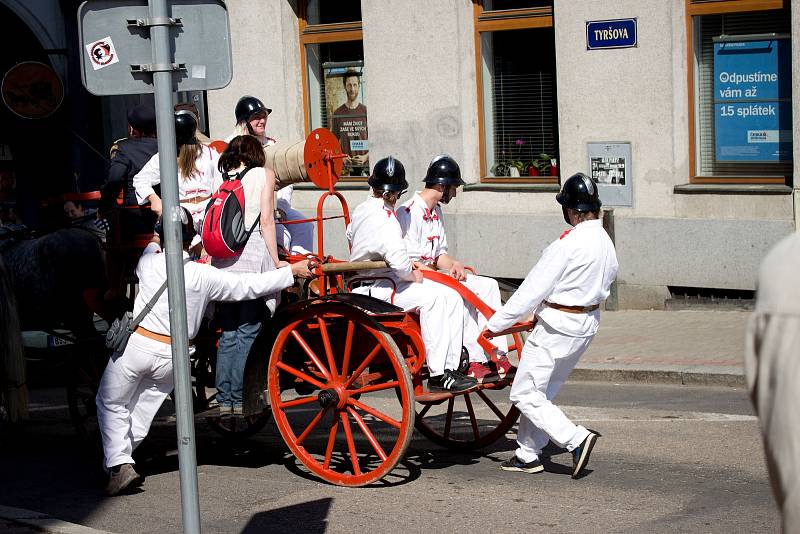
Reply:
x=348, y=266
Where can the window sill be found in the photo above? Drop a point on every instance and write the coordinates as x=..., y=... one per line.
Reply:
x=513, y=188
x=732, y=189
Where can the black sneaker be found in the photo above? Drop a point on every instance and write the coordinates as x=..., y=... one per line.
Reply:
x=515, y=464
x=580, y=455
x=451, y=381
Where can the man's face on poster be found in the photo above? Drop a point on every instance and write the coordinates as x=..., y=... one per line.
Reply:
x=351, y=86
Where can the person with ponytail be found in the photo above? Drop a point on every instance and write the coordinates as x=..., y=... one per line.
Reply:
x=197, y=170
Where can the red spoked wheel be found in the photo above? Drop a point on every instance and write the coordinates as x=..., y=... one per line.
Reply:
x=471, y=420
x=341, y=394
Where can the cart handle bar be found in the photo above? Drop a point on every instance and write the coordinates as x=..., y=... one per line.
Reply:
x=350, y=266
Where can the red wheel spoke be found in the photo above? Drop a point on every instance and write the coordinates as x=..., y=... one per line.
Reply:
x=449, y=419
x=370, y=437
x=373, y=412
x=472, y=419
x=424, y=410
x=326, y=342
x=311, y=426
x=363, y=365
x=351, y=445
x=491, y=405
x=311, y=354
x=331, y=442
x=300, y=374
x=297, y=402
x=348, y=347
x=377, y=387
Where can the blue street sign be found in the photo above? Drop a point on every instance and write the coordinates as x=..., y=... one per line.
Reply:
x=753, y=99
x=616, y=33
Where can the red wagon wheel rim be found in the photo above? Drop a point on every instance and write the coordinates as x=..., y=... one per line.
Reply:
x=454, y=423
x=343, y=364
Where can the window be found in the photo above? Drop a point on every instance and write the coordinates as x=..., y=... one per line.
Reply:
x=740, y=91
x=518, y=121
x=335, y=84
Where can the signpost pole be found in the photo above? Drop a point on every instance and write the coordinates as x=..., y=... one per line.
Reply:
x=162, y=82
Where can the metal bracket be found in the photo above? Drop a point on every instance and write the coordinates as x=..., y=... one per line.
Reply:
x=157, y=67
x=155, y=21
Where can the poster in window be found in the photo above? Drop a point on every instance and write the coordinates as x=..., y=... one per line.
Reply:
x=752, y=99
x=347, y=115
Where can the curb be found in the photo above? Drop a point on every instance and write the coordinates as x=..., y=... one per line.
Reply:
x=44, y=522
x=699, y=376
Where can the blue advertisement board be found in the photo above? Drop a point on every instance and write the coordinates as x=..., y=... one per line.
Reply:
x=615, y=33
x=753, y=99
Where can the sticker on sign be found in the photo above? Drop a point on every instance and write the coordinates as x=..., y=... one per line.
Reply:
x=102, y=53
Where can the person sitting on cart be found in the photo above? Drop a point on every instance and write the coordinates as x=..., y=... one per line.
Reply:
x=136, y=381
x=564, y=289
x=375, y=234
x=422, y=223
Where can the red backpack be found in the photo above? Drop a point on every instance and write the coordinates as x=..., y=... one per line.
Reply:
x=224, y=233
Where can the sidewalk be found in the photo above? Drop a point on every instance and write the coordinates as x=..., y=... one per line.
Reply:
x=678, y=347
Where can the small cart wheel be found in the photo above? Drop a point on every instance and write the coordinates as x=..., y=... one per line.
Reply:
x=341, y=394
x=469, y=421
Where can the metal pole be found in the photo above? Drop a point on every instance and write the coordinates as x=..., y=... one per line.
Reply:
x=612, y=302
x=167, y=158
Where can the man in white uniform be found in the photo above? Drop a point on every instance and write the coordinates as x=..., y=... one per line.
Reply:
x=422, y=223
x=772, y=355
x=374, y=234
x=565, y=289
x=136, y=381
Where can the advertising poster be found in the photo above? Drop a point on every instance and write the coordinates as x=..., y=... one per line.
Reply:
x=752, y=99
x=610, y=168
x=347, y=115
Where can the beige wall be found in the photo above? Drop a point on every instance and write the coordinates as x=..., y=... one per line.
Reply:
x=420, y=59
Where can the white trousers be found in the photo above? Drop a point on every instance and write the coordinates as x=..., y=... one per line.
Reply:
x=547, y=360
x=133, y=387
x=296, y=238
x=441, y=314
x=488, y=291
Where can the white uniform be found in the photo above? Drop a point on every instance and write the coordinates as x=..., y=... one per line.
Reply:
x=137, y=381
x=426, y=240
x=196, y=186
x=374, y=234
x=772, y=368
x=575, y=270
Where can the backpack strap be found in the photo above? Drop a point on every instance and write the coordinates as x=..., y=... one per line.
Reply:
x=237, y=176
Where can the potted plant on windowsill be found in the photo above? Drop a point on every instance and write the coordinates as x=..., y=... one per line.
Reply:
x=538, y=166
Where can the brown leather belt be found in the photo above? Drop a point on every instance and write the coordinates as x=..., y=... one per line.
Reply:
x=142, y=331
x=196, y=200
x=571, y=309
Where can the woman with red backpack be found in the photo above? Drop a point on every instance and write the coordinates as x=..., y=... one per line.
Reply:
x=244, y=160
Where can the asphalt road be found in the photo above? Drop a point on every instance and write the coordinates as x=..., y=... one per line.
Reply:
x=671, y=459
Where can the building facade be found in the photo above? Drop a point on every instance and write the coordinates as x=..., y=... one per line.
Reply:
x=682, y=110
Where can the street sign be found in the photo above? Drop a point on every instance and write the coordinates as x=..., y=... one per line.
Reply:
x=615, y=33
x=116, y=52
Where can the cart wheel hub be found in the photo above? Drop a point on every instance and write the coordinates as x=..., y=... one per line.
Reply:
x=328, y=397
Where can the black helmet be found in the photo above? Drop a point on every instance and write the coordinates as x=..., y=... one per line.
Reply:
x=187, y=227
x=579, y=193
x=388, y=175
x=443, y=170
x=185, y=127
x=247, y=106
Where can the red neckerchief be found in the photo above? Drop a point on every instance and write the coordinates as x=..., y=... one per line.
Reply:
x=430, y=215
x=565, y=233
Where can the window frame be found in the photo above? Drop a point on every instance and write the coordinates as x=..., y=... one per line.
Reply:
x=495, y=21
x=321, y=34
x=696, y=8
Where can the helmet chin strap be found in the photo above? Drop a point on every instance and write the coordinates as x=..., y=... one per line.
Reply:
x=446, y=195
